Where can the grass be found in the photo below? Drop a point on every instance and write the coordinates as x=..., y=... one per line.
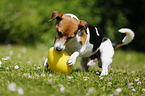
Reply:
x=126, y=75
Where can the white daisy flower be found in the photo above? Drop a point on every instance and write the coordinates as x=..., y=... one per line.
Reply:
x=118, y=90
x=133, y=90
x=16, y=67
x=20, y=91
x=91, y=90
x=43, y=75
x=69, y=77
x=7, y=57
x=0, y=63
x=24, y=50
x=11, y=52
x=62, y=88
x=12, y=86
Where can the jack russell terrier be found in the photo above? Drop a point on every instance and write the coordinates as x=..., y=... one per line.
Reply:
x=78, y=38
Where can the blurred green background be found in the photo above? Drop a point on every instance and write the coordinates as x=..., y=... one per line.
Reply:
x=25, y=22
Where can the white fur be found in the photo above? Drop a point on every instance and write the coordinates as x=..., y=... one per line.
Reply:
x=74, y=45
x=72, y=16
x=97, y=31
x=129, y=35
x=46, y=63
x=75, y=49
x=106, y=49
x=60, y=44
x=107, y=52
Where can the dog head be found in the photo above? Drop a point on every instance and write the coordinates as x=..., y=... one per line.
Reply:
x=67, y=26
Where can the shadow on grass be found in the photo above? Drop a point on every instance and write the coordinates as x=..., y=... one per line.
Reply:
x=76, y=70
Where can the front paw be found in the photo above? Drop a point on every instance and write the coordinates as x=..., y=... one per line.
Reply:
x=46, y=63
x=71, y=61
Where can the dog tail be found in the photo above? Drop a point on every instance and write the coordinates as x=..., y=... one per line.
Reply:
x=126, y=40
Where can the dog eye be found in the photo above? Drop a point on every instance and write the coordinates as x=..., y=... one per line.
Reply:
x=59, y=33
x=69, y=37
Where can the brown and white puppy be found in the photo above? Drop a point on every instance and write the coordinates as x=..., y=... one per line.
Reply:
x=78, y=38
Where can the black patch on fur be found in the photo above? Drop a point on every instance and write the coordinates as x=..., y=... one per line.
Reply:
x=94, y=38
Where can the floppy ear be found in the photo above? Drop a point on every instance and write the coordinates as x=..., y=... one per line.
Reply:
x=83, y=24
x=56, y=15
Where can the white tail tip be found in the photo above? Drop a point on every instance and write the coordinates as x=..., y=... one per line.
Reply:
x=129, y=35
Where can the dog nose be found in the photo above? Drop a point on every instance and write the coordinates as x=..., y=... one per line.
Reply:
x=58, y=49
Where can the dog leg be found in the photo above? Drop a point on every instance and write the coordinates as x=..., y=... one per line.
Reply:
x=107, y=52
x=46, y=63
x=92, y=62
x=105, y=65
x=72, y=59
x=84, y=62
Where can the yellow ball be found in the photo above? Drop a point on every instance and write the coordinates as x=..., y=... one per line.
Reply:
x=57, y=61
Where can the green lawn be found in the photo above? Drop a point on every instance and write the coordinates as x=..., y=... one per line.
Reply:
x=22, y=73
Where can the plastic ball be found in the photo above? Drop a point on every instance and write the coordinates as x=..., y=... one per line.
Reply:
x=57, y=61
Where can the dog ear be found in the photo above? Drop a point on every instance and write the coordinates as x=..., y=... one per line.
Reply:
x=56, y=15
x=83, y=24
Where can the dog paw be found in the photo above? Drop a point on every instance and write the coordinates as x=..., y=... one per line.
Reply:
x=46, y=63
x=71, y=61
x=92, y=62
x=104, y=72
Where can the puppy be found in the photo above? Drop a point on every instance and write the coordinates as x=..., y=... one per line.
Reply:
x=78, y=38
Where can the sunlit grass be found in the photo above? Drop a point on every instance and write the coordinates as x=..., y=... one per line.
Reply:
x=23, y=67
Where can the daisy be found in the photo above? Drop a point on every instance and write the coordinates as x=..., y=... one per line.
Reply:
x=143, y=89
x=20, y=91
x=50, y=75
x=38, y=67
x=110, y=83
x=62, y=88
x=97, y=73
x=101, y=77
x=118, y=90
x=133, y=72
x=0, y=63
x=43, y=75
x=133, y=90
x=16, y=67
x=29, y=76
x=11, y=53
x=138, y=82
x=24, y=50
x=36, y=75
x=130, y=84
x=7, y=68
x=12, y=87
x=137, y=79
x=91, y=90
x=69, y=77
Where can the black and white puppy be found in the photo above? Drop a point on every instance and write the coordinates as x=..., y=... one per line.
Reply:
x=78, y=38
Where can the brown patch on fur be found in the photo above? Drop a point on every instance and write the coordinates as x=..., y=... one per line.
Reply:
x=83, y=25
x=83, y=37
x=67, y=26
x=56, y=15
